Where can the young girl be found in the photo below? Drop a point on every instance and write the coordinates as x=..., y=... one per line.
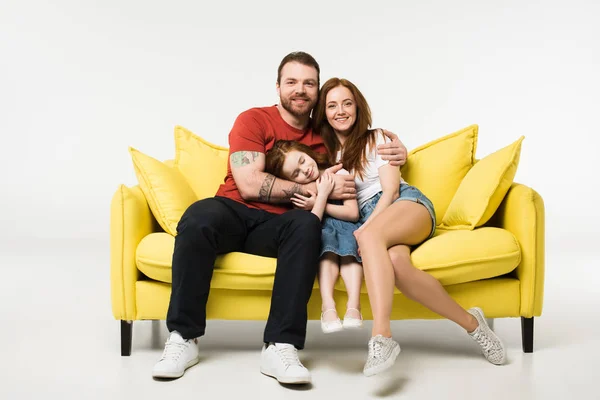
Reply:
x=394, y=216
x=297, y=162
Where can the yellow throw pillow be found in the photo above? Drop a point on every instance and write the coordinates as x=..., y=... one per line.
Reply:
x=165, y=189
x=202, y=164
x=438, y=167
x=483, y=189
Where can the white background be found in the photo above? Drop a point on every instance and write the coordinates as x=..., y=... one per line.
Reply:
x=82, y=81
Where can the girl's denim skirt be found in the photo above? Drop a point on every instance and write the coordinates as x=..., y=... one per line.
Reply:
x=337, y=236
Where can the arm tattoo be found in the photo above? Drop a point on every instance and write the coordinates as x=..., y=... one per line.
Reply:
x=290, y=193
x=264, y=193
x=241, y=158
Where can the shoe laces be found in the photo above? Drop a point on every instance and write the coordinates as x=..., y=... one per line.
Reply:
x=289, y=355
x=173, y=350
x=484, y=340
x=375, y=347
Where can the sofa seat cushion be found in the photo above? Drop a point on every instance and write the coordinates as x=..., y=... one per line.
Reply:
x=452, y=257
x=464, y=256
x=234, y=270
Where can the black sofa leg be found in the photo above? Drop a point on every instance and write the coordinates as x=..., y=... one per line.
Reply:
x=126, y=329
x=527, y=334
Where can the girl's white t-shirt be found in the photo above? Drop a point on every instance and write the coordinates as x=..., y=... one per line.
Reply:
x=370, y=184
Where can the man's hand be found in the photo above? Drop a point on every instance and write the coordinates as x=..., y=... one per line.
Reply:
x=393, y=151
x=344, y=186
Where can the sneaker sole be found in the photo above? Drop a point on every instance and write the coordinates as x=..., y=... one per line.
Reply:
x=387, y=364
x=176, y=374
x=292, y=381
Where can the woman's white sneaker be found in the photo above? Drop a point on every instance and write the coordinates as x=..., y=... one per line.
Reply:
x=280, y=361
x=382, y=354
x=179, y=355
x=491, y=345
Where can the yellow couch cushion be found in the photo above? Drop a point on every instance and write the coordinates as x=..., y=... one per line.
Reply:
x=482, y=190
x=438, y=167
x=165, y=189
x=203, y=164
x=451, y=256
x=234, y=270
x=464, y=256
x=454, y=257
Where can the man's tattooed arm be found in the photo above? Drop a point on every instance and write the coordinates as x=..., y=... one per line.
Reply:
x=264, y=194
x=275, y=190
x=247, y=168
x=297, y=188
x=241, y=158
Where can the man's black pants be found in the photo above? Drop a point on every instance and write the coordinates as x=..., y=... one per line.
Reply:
x=219, y=225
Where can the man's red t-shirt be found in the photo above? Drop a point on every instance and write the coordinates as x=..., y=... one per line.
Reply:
x=257, y=130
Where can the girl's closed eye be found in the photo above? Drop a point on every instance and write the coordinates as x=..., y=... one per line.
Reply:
x=300, y=167
x=294, y=161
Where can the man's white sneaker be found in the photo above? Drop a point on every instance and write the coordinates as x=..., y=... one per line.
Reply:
x=280, y=361
x=179, y=355
x=491, y=345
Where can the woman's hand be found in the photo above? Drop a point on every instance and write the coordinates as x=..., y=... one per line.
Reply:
x=303, y=202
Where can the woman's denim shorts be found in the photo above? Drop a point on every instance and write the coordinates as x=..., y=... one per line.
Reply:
x=407, y=193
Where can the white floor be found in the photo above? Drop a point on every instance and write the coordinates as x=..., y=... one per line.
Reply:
x=59, y=338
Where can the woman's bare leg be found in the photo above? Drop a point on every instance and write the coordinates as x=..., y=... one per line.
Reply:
x=424, y=288
x=413, y=226
x=419, y=286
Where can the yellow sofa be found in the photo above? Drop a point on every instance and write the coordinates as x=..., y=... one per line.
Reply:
x=497, y=265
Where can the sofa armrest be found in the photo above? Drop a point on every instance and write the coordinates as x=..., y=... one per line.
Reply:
x=522, y=213
x=130, y=221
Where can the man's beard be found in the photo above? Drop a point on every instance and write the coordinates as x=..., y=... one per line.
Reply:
x=287, y=104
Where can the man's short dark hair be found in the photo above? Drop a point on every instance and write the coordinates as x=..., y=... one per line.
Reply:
x=302, y=58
